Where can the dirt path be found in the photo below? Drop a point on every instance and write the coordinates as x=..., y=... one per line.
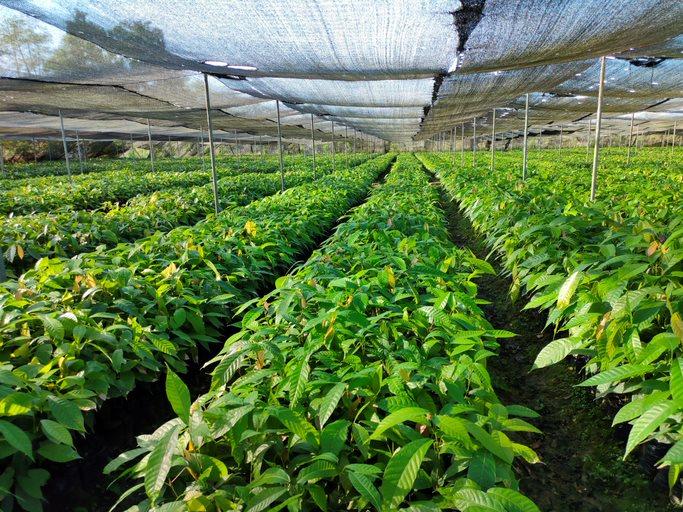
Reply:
x=581, y=469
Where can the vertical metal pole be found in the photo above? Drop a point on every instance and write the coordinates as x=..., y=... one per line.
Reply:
x=66, y=150
x=279, y=147
x=201, y=147
x=673, y=140
x=333, y=153
x=493, y=140
x=78, y=150
x=209, y=127
x=462, y=144
x=453, y=146
x=313, y=146
x=260, y=142
x=630, y=136
x=525, y=150
x=346, y=138
x=598, y=123
x=151, y=147
x=474, y=142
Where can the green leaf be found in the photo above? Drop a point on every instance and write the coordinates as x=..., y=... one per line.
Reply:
x=159, y=463
x=676, y=382
x=482, y=469
x=296, y=424
x=567, y=289
x=299, y=379
x=318, y=495
x=178, y=395
x=123, y=458
x=56, y=432
x=555, y=351
x=513, y=500
x=329, y=403
x=16, y=438
x=265, y=498
x=648, y=422
x=57, y=452
x=474, y=500
x=619, y=373
x=488, y=442
x=53, y=327
x=16, y=404
x=673, y=456
x=67, y=413
x=416, y=414
x=365, y=488
x=401, y=471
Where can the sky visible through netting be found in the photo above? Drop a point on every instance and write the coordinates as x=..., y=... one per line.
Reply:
x=403, y=71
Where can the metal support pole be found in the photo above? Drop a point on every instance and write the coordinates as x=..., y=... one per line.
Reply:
x=151, y=147
x=260, y=141
x=201, y=147
x=212, y=154
x=474, y=142
x=78, y=151
x=279, y=147
x=313, y=146
x=598, y=123
x=333, y=152
x=525, y=150
x=346, y=155
x=462, y=144
x=493, y=140
x=673, y=139
x=453, y=146
x=66, y=150
x=630, y=136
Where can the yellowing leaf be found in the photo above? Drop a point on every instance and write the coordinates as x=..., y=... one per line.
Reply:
x=653, y=248
x=250, y=228
x=20, y=252
x=677, y=325
x=567, y=290
x=391, y=278
x=169, y=271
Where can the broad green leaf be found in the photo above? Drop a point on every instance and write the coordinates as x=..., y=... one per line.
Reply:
x=299, y=379
x=296, y=424
x=488, y=442
x=673, y=456
x=178, y=395
x=159, y=463
x=648, y=422
x=401, y=471
x=67, y=413
x=474, y=500
x=265, y=498
x=57, y=452
x=123, y=458
x=56, y=432
x=482, y=469
x=53, y=328
x=16, y=404
x=616, y=374
x=676, y=382
x=365, y=488
x=416, y=414
x=567, y=289
x=329, y=403
x=513, y=500
x=555, y=351
x=16, y=438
